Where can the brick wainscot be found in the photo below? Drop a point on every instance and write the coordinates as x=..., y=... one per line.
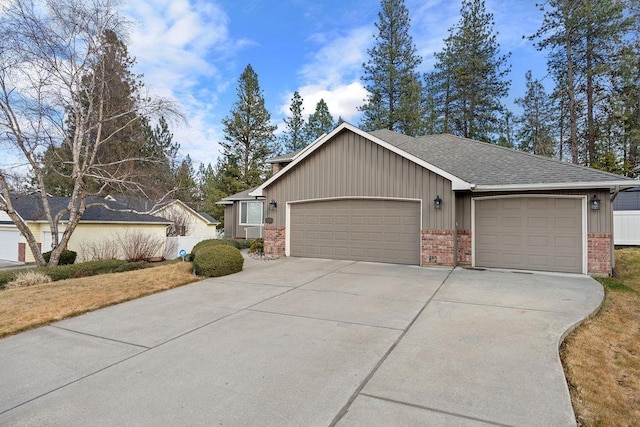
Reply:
x=274, y=240
x=437, y=247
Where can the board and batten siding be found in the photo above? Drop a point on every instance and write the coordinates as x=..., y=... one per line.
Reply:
x=599, y=221
x=351, y=166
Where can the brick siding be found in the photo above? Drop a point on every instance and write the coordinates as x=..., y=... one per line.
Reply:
x=274, y=240
x=437, y=247
x=22, y=251
x=599, y=253
x=464, y=247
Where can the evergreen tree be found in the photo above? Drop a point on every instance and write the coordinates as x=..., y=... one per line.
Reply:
x=583, y=40
x=159, y=166
x=210, y=188
x=320, y=122
x=248, y=132
x=185, y=181
x=471, y=75
x=505, y=130
x=293, y=138
x=534, y=133
x=390, y=76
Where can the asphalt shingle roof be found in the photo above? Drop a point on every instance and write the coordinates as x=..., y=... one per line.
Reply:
x=30, y=208
x=285, y=157
x=486, y=164
x=243, y=195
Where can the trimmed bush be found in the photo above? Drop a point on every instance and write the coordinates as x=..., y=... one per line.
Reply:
x=218, y=260
x=207, y=243
x=130, y=266
x=28, y=278
x=61, y=272
x=257, y=246
x=67, y=257
x=239, y=243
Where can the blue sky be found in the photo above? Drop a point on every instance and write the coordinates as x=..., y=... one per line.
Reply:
x=194, y=51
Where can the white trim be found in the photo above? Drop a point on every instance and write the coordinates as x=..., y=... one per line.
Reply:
x=584, y=219
x=287, y=221
x=555, y=186
x=287, y=230
x=240, y=223
x=456, y=183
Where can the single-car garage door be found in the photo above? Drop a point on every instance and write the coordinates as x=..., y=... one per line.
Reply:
x=357, y=229
x=529, y=233
x=9, y=239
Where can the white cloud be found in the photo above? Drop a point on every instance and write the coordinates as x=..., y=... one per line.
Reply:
x=333, y=74
x=179, y=46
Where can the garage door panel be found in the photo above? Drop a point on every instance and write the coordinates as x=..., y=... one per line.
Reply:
x=550, y=238
x=369, y=230
x=9, y=239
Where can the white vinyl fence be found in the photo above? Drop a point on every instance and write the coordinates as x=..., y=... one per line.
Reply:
x=626, y=228
x=176, y=244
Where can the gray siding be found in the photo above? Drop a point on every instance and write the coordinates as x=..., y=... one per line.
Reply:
x=353, y=166
x=597, y=221
x=229, y=220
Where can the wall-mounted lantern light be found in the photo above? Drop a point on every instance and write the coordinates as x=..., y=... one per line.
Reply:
x=273, y=205
x=594, y=203
x=437, y=203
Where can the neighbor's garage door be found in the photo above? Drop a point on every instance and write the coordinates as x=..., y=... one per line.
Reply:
x=529, y=234
x=9, y=240
x=354, y=229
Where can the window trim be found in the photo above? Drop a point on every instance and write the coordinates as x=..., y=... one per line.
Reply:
x=261, y=212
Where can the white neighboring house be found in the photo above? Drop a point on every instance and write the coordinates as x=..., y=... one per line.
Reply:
x=626, y=218
x=189, y=227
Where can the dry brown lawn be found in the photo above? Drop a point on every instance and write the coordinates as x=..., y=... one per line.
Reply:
x=25, y=308
x=602, y=357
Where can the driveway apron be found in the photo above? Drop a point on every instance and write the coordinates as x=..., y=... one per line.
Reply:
x=308, y=342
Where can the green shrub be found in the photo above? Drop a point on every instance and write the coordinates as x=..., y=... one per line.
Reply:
x=130, y=266
x=67, y=257
x=218, y=260
x=207, y=243
x=257, y=246
x=62, y=272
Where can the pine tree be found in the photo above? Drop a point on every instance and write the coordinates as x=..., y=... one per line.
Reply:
x=390, y=76
x=248, y=132
x=583, y=40
x=534, y=133
x=293, y=138
x=320, y=122
x=471, y=75
x=185, y=181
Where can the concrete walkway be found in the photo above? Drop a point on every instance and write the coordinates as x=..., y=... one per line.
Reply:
x=308, y=342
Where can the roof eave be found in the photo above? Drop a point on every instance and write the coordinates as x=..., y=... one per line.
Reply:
x=456, y=183
x=555, y=186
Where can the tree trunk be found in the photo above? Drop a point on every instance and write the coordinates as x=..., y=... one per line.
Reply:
x=573, y=117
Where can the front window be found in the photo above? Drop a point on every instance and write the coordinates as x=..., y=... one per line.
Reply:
x=251, y=213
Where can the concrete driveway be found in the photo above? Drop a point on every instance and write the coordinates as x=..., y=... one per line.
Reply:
x=308, y=342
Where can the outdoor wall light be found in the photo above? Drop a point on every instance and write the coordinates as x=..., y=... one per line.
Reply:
x=437, y=203
x=594, y=203
x=273, y=205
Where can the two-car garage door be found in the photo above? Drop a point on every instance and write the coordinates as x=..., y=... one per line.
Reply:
x=375, y=230
x=529, y=233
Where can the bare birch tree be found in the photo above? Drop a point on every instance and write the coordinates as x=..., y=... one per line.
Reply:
x=53, y=90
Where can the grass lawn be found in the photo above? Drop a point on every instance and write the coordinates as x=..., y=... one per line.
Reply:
x=601, y=357
x=25, y=308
